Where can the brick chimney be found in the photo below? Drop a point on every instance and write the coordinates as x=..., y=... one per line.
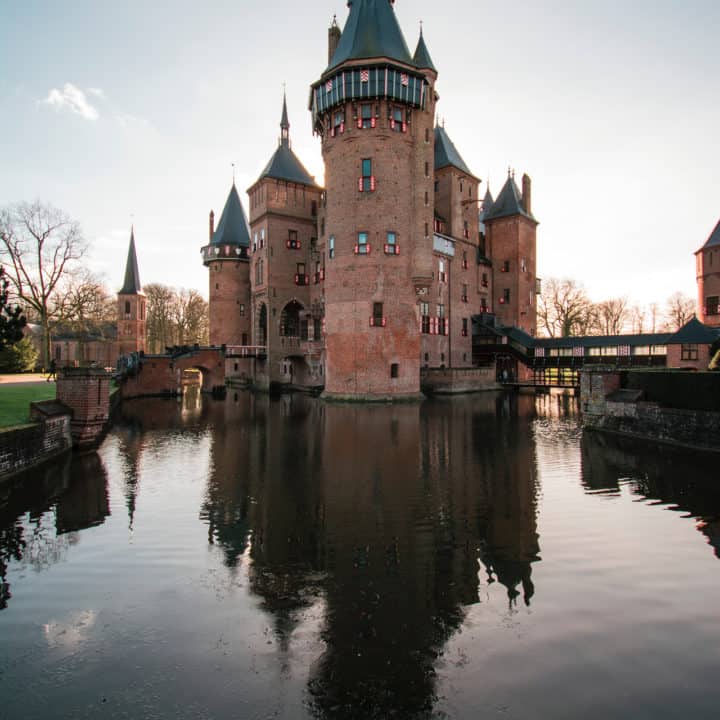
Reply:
x=334, y=34
x=212, y=224
x=527, y=193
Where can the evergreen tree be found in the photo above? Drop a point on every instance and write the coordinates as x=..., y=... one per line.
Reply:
x=12, y=321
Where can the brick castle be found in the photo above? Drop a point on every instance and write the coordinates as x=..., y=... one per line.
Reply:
x=358, y=286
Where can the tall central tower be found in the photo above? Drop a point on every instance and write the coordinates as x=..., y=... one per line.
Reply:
x=373, y=108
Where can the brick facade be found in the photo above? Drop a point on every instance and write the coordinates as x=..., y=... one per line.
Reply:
x=355, y=287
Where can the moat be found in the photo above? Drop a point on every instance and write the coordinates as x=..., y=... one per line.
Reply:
x=287, y=558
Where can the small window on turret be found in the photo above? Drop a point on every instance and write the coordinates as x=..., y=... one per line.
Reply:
x=367, y=119
x=331, y=247
x=397, y=120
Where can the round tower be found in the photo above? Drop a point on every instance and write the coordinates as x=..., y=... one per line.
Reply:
x=226, y=257
x=373, y=108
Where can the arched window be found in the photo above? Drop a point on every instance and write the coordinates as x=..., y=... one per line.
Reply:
x=290, y=319
x=261, y=332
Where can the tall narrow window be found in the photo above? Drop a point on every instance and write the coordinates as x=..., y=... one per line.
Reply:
x=464, y=296
x=377, y=319
x=425, y=318
x=441, y=320
x=505, y=299
x=362, y=247
x=300, y=277
x=331, y=247
x=394, y=370
x=127, y=307
x=465, y=260
x=464, y=330
x=338, y=123
x=367, y=181
x=441, y=270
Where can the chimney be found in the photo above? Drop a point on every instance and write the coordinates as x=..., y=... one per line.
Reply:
x=526, y=194
x=333, y=39
x=212, y=224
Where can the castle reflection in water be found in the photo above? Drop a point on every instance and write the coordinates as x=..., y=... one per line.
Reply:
x=390, y=516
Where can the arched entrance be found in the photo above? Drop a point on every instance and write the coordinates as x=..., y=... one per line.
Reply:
x=261, y=327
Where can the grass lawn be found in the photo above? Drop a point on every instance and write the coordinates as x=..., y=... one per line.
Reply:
x=15, y=401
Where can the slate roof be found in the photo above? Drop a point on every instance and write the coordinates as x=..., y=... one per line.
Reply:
x=422, y=57
x=284, y=165
x=487, y=203
x=371, y=31
x=233, y=227
x=132, y=285
x=714, y=239
x=586, y=341
x=446, y=153
x=694, y=331
x=508, y=202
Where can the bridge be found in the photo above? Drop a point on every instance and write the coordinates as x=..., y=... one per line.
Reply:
x=162, y=374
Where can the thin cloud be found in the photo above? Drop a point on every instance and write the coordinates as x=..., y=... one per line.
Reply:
x=72, y=98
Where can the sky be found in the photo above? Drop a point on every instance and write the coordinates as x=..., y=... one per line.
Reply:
x=134, y=113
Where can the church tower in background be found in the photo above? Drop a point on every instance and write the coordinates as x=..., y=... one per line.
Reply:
x=131, y=326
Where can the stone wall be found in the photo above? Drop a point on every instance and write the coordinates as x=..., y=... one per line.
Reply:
x=458, y=380
x=23, y=447
x=613, y=401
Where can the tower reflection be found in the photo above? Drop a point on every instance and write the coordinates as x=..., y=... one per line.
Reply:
x=388, y=513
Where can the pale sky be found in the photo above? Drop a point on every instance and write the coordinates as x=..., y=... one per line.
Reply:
x=133, y=112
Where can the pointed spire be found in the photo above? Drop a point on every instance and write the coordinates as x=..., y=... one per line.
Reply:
x=509, y=201
x=131, y=286
x=233, y=227
x=371, y=31
x=422, y=57
x=284, y=124
x=446, y=153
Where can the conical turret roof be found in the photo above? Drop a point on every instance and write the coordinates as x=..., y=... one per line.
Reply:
x=132, y=285
x=508, y=202
x=371, y=31
x=714, y=239
x=446, y=153
x=284, y=164
x=233, y=227
x=422, y=57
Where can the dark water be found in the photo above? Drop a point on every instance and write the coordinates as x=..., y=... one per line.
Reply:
x=465, y=558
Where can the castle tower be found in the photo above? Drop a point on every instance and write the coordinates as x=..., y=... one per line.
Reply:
x=131, y=331
x=707, y=262
x=226, y=257
x=373, y=108
x=510, y=230
x=286, y=268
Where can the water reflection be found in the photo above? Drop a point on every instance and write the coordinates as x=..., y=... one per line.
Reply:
x=388, y=513
x=683, y=480
x=42, y=511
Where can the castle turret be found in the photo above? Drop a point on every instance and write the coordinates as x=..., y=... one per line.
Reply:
x=707, y=261
x=227, y=258
x=373, y=108
x=131, y=326
x=286, y=267
x=510, y=229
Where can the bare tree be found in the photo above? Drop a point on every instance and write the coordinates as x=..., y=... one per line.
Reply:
x=638, y=315
x=160, y=317
x=679, y=309
x=654, y=317
x=611, y=316
x=42, y=247
x=191, y=317
x=564, y=309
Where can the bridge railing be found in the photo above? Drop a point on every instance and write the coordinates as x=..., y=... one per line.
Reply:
x=245, y=351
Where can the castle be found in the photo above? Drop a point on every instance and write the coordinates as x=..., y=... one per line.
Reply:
x=360, y=286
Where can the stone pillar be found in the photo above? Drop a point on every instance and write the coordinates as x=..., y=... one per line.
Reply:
x=86, y=391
